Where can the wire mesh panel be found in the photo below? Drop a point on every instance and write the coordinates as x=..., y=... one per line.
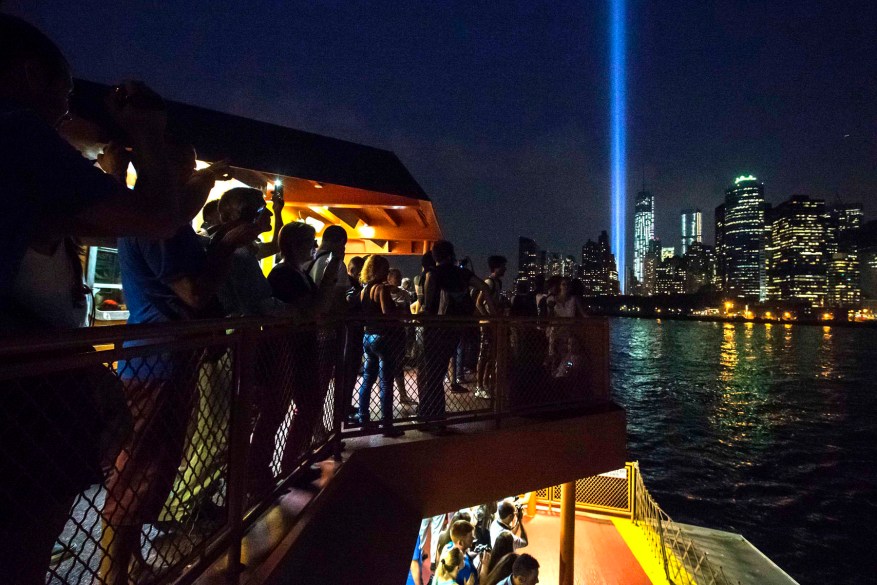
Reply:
x=121, y=453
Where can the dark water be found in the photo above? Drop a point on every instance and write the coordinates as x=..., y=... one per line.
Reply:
x=765, y=430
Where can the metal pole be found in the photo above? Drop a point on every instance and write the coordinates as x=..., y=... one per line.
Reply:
x=239, y=439
x=567, y=533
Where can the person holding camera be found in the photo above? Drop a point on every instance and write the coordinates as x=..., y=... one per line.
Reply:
x=510, y=517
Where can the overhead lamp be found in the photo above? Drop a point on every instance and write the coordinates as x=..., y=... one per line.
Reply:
x=366, y=231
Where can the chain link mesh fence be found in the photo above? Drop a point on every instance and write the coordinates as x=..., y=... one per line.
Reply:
x=125, y=452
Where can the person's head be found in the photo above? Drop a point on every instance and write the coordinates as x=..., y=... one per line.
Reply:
x=375, y=270
x=460, y=515
x=506, y=513
x=407, y=284
x=463, y=534
x=443, y=252
x=210, y=213
x=181, y=158
x=33, y=71
x=525, y=571
x=497, y=265
x=244, y=204
x=503, y=545
x=427, y=262
x=334, y=239
x=394, y=277
x=565, y=288
x=450, y=564
x=297, y=242
x=552, y=285
x=354, y=266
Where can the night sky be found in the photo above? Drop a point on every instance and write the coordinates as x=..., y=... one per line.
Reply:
x=501, y=112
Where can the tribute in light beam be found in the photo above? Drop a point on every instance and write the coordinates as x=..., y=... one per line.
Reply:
x=619, y=146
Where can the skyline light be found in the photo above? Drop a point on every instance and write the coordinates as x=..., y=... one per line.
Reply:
x=619, y=139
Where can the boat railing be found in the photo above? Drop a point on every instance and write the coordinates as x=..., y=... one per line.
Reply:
x=684, y=562
x=623, y=493
x=201, y=426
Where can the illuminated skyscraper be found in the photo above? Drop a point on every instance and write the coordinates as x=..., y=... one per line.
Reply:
x=844, y=271
x=643, y=231
x=667, y=253
x=692, y=230
x=742, y=240
x=796, y=251
x=700, y=267
x=598, y=270
x=530, y=262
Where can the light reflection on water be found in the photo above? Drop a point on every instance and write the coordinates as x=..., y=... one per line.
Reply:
x=762, y=429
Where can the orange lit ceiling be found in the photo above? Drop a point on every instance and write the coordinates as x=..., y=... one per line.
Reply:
x=326, y=181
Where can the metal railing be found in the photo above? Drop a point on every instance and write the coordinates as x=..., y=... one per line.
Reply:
x=623, y=492
x=153, y=449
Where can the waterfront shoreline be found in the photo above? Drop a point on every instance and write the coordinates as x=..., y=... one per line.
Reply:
x=720, y=319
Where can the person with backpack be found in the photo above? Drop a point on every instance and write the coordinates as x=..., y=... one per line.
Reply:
x=445, y=292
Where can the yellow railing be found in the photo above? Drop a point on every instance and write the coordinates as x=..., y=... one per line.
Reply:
x=623, y=493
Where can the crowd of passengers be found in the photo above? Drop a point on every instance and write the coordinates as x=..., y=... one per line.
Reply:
x=54, y=427
x=474, y=546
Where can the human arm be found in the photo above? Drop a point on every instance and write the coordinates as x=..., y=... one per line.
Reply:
x=270, y=248
x=198, y=288
x=485, y=294
x=388, y=306
x=483, y=568
x=431, y=295
x=415, y=573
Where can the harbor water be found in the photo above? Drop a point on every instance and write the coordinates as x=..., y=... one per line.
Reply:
x=768, y=430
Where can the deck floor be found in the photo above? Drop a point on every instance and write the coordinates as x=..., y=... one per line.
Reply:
x=602, y=556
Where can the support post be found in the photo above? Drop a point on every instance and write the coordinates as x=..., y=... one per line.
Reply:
x=567, y=533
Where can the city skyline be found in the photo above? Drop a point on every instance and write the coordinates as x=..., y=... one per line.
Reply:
x=491, y=119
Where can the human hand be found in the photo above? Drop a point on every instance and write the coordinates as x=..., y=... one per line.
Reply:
x=238, y=234
x=138, y=111
x=206, y=178
x=114, y=160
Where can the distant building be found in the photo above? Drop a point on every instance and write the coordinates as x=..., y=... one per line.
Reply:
x=742, y=240
x=599, y=272
x=796, y=251
x=700, y=267
x=569, y=268
x=843, y=257
x=650, y=267
x=667, y=253
x=643, y=231
x=721, y=270
x=670, y=276
x=531, y=262
x=692, y=228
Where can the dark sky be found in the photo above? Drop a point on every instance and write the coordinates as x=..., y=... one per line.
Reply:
x=501, y=112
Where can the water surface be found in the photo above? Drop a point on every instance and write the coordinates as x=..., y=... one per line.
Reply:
x=768, y=430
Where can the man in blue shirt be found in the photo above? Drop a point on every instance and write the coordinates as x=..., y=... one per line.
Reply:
x=165, y=280
x=50, y=192
x=462, y=537
x=415, y=572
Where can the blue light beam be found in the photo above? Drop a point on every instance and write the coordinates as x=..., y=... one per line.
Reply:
x=619, y=139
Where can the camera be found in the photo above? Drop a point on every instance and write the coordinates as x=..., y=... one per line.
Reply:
x=482, y=548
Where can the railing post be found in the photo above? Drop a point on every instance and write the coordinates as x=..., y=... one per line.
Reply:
x=239, y=443
x=340, y=400
x=500, y=394
x=567, y=533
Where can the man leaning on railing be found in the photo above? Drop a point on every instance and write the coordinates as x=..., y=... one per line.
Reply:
x=51, y=193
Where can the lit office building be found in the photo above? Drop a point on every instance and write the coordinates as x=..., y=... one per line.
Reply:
x=721, y=273
x=796, y=251
x=667, y=253
x=670, y=276
x=700, y=267
x=650, y=267
x=692, y=229
x=554, y=264
x=599, y=272
x=530, y=262
x=643, y=231
x=742, y=239
x=844, y=271
x=569, y=268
